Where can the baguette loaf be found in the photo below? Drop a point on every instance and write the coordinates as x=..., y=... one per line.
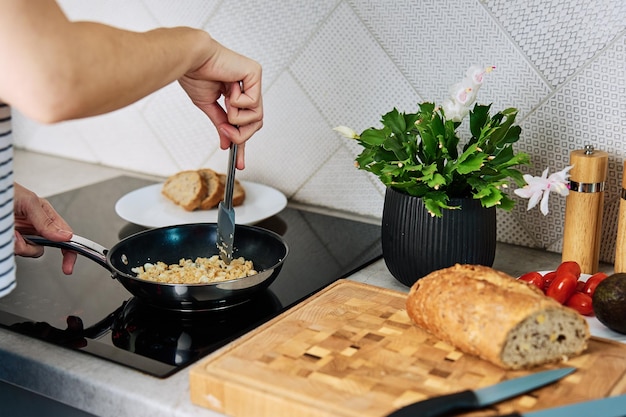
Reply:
x=185, y=188
x=492, y=315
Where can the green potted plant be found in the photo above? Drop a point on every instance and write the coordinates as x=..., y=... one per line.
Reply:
x=420, y=153
x=429, y=172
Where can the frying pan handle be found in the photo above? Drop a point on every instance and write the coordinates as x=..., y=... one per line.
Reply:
x=79, y=244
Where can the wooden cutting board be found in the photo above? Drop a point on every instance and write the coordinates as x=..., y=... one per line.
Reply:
x=351, y=350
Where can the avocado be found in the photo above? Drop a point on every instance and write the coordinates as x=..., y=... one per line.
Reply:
x=609, y=302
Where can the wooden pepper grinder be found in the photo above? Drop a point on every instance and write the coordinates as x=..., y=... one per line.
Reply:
x=583, y=208
x=620, y=243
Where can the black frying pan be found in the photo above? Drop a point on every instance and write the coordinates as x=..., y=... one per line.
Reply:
x=264, y=248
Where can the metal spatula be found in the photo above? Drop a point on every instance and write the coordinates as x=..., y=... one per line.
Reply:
x=226, y=212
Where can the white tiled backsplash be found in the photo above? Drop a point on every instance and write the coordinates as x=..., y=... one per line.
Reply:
x=329, y=62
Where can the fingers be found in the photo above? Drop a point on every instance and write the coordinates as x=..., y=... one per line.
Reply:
x=35, y=215
x=220, y=77
x=23, y=248
x=50, y=224
x=245, y=107
x=240, y=162
x=69, y=260
x=234, y=124
x=245, y=110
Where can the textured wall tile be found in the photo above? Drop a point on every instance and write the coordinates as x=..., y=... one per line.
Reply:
x=294, y=143
x=271, y=32
x=123, y=139
x=194, y=13
x=339, y=185
x=62, y=139
x=586, y=110
x=132, y=15
x=560, y=36
x=509, y=229
x=433, y=42
x=180, y=127
x=348, y=76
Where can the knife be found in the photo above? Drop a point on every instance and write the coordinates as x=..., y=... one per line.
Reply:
x=226, y=212
x=604, y=407
x=476, y=399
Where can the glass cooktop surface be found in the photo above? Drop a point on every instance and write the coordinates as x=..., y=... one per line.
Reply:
x=91, y=312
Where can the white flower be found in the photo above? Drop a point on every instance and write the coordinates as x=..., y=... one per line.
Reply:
x=537, y=188
x=463, y=94
x=454, y=110
x=476, y=73
x=346, y=132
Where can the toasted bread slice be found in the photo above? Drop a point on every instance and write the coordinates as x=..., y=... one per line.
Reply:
x=239, y=192
x=215, y=189
x=185, y=188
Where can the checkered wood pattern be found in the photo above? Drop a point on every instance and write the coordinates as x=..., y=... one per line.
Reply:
x=352, y=350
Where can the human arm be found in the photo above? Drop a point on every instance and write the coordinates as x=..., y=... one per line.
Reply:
x=34, y=215
x=63, y=70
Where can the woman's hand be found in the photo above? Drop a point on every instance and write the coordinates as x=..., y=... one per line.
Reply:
x=237, y=79
x=36, y=216
x=63, y=70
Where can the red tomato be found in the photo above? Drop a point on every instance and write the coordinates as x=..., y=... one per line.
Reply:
x=563, y=286
x=534, y=278
x=580, y=285
x=547, y=279
x=592, y=283
x=569, y=266
x=581, y=303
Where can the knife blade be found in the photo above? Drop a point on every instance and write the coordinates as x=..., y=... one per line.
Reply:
x=226, y=212
x=476, y=399
x=604, y=407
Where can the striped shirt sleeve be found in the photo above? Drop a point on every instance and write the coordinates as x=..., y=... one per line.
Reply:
x=7, y=222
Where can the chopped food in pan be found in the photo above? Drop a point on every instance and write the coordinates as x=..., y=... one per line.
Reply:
x=200, y=271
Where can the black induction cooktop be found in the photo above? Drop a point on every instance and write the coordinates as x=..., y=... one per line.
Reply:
x=92, y=313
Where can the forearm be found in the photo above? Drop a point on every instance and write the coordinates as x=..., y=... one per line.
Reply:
x=125, y=67
x=92, y=68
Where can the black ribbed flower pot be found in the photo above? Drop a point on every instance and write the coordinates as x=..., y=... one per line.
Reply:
x=414, y=243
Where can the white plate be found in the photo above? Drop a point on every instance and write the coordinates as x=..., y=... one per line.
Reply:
x=595, y=327
x=148, y=207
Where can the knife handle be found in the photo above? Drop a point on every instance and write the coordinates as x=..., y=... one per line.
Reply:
x=440, y=405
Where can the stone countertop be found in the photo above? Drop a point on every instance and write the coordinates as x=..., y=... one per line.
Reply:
x=107, y=389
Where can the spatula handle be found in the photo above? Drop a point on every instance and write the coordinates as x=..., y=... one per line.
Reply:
x=230, y=177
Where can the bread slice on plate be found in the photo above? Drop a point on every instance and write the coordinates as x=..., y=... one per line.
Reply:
x=215, y=189
x=186, y=189
x=239, y=192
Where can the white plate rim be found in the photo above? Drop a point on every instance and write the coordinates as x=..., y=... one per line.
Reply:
x=147, y=207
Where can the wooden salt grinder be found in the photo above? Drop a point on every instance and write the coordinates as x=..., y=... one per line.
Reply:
x=620, y=243
x=583, y=208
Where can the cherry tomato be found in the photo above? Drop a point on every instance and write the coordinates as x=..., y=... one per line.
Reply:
x=547, y=280
x=563, y=286
x=534, y=278
x=569, y=266
x=592, y=283
x=580, y=302
x=580, y=285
